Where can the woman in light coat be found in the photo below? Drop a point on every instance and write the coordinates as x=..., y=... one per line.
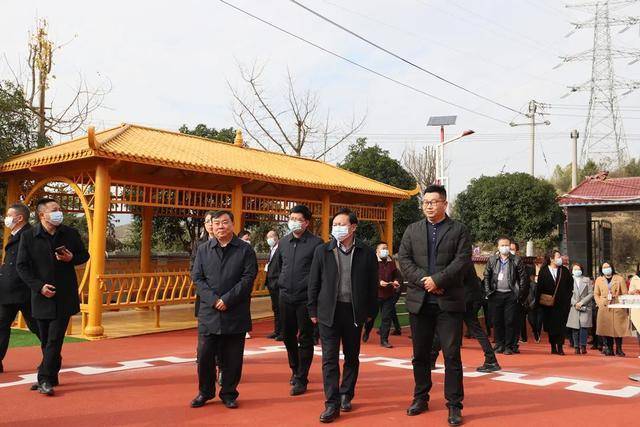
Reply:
x=580, y=318
x=612, y=323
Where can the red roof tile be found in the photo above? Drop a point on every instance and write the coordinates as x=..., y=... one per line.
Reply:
x=607, y=191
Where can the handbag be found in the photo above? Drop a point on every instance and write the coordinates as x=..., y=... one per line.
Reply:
x=550, y=300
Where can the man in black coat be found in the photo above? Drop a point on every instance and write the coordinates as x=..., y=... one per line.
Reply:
x=224, y=271
x=294, y=256
x=271, y=282
x=506, y=285
x=434, y=254
x=14, y=293
x=343, y=287
x=47, y=258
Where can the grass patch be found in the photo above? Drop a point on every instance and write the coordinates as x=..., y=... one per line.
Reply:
x=20, y=338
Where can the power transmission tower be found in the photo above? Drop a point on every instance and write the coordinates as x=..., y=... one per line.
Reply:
x=603, y=138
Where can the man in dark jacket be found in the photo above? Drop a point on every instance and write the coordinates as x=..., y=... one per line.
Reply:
x=388, y=286
x=434, y=254
x=224, y=271
x=47, y=258
x=14, y=293
x=271, y=282
x=506, y=285
x=473, y=296
x=342, y=292
x=294, y=256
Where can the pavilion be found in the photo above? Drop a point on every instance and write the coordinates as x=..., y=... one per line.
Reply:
x=149, y=172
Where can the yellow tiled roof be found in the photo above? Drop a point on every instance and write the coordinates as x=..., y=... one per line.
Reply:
x=171, y=149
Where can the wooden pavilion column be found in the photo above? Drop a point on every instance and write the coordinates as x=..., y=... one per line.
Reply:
x=97, y=248
x=12, y=197
x=326, y=217
x=236, y=208
x=388, y=225
x=145, y=241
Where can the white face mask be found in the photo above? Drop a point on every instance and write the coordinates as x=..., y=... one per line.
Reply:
x=294, y=225
x=512, y=252
x=271, y=242
x=558, y=262
x=577, y=273
x=55, y=218
x=384, y=253
x=504, y=250
x=340, y=232
x=607, y=271
x=9, y=222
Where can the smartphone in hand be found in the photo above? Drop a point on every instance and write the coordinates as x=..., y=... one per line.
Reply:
x=60, y=250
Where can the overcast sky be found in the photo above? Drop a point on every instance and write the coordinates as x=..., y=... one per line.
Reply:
x=169, y=63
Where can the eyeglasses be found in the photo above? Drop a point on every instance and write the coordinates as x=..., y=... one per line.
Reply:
x=431, y=203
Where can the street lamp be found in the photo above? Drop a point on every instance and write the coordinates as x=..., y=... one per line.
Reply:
x=440, y=174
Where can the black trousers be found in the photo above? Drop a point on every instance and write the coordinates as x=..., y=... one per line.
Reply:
x=385, y=310
x=297, y=334
x=488, y=322
x=8, y=314
x=227, y=347
x=448, y=325
x=394, y=313
x=275, y=307
x=475, y=330
x=346, y=332
x=535, y=320
x=51, y=339
x=503, y=307
x=520, y=325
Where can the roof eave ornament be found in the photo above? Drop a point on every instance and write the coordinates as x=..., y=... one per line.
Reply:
x=91, y=138
x=238, y=141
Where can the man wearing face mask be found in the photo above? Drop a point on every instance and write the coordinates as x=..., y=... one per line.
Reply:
x=294, y=256
x=47, y=257
x=342, y=293
x=14, y=293
x=506, y=285
x=272, y=269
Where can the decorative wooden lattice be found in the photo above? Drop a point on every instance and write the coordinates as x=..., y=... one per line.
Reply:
x=274, y=207
x=363, y=212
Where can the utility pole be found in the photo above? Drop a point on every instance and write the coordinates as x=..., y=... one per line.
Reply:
x=574, y=158
x=534, y=108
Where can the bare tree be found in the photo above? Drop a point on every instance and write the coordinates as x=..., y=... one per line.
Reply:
x=421, y=165
x=61, y=120
x=291, y=126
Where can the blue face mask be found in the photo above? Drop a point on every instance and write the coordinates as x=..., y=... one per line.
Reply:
x=294, y=225
x=384, y=253
x=55, y=218
x=340, y=232
x=607, y=271
x=577, y=273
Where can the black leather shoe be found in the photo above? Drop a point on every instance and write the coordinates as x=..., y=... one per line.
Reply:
x=279, y=338
x=345, y=403
x=199, y=401
x=516, y=350
x=455, y=416
x=560, y=351
x=396, y=332
x=1, y=368
x=418, y=406
x=272, y=336
x=230, y=404
x=507, y=351
x=620, y=353
x=34, y=387
x=365, y=336
x=386, y=344
x=329, y=415
x=498, y=349
x=46, y=388
x=298, y=389
x=489, y=367
x=292, y=380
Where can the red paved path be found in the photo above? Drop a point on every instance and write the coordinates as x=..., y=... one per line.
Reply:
x=160, y=394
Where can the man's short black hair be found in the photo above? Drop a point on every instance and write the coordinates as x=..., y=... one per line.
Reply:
x=243, y=233
x=301, y=209
x=435, y=188
x=504, y=238
x=41, y=203
x=381, y=242
x=353, y=219
x=218, y=214
x=21, y=209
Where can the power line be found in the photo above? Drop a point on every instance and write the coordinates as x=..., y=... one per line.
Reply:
x=395, y=55
x=363, y=67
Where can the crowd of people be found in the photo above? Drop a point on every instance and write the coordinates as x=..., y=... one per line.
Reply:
x=331, y=293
